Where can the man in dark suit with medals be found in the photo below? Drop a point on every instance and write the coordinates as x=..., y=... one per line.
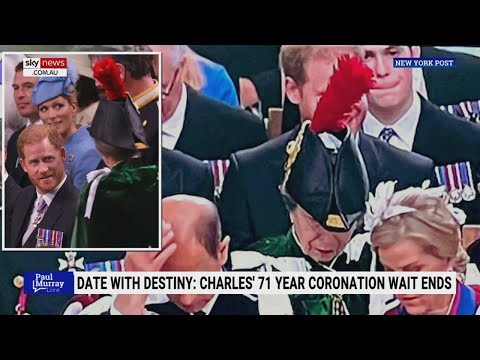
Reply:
x=41, y=215
x=403, y=118
x=455, y=90
x=54, y=223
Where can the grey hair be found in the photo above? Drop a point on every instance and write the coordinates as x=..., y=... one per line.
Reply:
x=179, y=52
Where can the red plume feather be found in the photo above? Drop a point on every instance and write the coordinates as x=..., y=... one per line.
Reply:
x=349, y=82
x=107, y=73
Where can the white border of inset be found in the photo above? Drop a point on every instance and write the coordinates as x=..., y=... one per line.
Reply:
x=159, y=102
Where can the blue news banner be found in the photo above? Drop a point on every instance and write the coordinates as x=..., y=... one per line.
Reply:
x=49, y=282
x=424, y=62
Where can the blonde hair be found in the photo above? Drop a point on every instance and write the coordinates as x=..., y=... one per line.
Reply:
x=293, y=58
x=72, y=95
x=431, y=226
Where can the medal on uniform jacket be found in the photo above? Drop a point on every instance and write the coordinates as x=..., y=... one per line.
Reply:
x=71, y=264
x=454, y=184
x=70, y=159
x=49, y=238
x=21, y=306
x=219, y=169
x=468, y=193
x=469, y=110
x=458, y=182
x=111, y=265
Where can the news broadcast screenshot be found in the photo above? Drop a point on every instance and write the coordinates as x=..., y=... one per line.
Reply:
x=240, y=180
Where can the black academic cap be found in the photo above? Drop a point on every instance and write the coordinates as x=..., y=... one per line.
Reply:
x=118, y=123
x=333, y=189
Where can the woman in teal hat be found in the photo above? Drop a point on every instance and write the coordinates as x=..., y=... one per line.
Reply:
x=57, y=105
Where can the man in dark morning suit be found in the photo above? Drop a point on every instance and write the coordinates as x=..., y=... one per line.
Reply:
x=192, y=241
x=22, y=93
x=199, y=126
x=41, y=215
x=251, y=206
x=183, y=174
x=405, y=119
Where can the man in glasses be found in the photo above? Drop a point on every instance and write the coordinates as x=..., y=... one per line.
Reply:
x=197, y=125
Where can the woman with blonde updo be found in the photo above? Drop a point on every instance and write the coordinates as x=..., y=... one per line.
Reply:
x=56, y=99
x=416, y=230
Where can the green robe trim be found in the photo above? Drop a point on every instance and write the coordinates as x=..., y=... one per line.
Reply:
x=317, y=304
x=125, y=209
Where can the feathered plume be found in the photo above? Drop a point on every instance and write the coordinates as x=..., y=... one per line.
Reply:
x=349, y=82
x=107, y=73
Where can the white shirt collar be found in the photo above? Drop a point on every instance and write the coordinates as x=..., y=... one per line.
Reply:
x=405, y=127
x=48, y=197
x=330, y=141
x=207, y=308
x=172, y=128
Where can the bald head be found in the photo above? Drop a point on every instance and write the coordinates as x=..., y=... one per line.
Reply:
x=196, y=227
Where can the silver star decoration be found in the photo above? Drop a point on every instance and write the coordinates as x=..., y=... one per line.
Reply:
x=71, y=264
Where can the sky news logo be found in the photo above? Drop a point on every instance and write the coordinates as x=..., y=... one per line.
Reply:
x=45, y=67
x=424, y=62
x=49, y=282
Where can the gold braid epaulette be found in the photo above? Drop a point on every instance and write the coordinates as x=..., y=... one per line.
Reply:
x=293, y=148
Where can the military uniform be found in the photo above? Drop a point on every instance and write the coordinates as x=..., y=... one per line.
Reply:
x=457, y=162
x=147, y=104
x=469, y=110
x=125, y=210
